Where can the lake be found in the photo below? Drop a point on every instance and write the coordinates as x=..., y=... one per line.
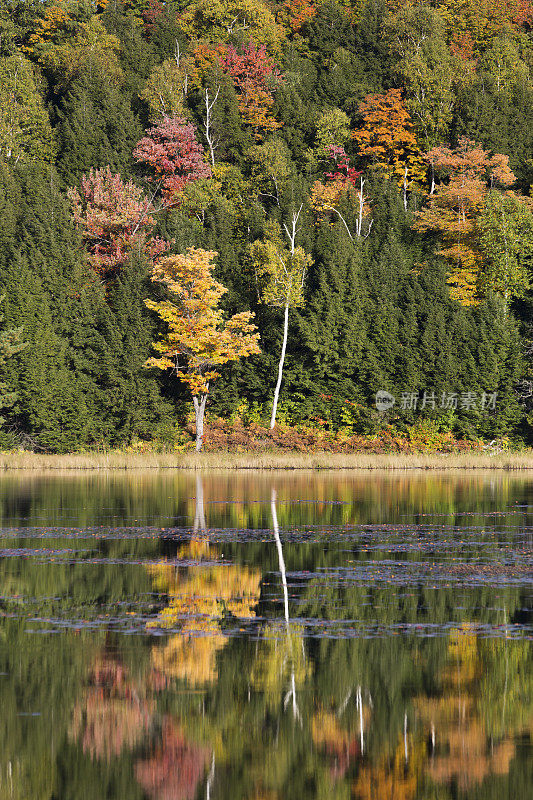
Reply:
x=266, y=636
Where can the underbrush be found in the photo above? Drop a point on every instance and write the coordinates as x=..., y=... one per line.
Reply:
x=236, y=436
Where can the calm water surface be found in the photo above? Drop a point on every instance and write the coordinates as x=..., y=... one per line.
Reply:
x=266, y=637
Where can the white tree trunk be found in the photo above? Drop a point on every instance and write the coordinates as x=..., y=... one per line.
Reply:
x=208, y=120
x=280, y=368
x=199, y=409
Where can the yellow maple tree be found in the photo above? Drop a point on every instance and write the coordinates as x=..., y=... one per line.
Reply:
x=198, y=338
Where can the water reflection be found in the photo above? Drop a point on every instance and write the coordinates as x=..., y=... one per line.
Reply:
x=289, y=637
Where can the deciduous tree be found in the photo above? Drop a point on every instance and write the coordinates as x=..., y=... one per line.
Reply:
x=167, y=87
x=344, y=181
x=385, y=138
x=114, y=218
x=253, y=72
x=281, y=274
x=174, y=156
x=506, y=242
x=25, y=130
x=239, y=21
x=198, y=339
x=453, y=210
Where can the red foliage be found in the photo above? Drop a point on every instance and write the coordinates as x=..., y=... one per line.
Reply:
x=343, y=171
x=113, y=217
x=174, y=155
x=462, y=46
x=111, y=716
x=236, y=437
x=175, y=769
x=151, y=15
x=252, y=65
x=253, y=73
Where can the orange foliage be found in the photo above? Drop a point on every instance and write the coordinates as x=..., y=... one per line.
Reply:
x=337, y=742
x=463, y=754
x=393, y=779
x=468, y=173
x=293, y=14
x=386, y=138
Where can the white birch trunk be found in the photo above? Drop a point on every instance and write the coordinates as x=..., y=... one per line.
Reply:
x=280, y=367
x=199, y=409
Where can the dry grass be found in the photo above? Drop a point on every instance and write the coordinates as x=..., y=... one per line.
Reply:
x=266, y=461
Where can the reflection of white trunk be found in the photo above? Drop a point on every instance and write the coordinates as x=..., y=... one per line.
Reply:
x=291, y=694
x=280, y=556
x=405, y=749
x=361, y=728
x=506, y=668
x=210, y=778
x=199, y=516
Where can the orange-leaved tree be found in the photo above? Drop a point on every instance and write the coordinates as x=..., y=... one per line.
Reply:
x=386, y=139
x=467, y=173
x=198, y=338
x=344, y=181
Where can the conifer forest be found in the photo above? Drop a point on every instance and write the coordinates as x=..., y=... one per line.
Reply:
x=275, y=212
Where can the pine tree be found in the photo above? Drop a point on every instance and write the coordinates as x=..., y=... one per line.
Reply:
x=95, y=127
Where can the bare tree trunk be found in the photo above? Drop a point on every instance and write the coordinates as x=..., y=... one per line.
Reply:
x=280, y=367
x=199, y=409
x=208, y=122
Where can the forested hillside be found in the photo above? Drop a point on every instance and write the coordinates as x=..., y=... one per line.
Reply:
x=380, y=152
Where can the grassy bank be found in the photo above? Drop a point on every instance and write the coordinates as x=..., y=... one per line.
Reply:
x=522, y=460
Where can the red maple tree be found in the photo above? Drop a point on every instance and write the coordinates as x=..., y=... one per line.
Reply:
x=174, y=156
x=114, y=217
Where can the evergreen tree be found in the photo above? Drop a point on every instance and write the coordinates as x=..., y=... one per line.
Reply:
x=95, y=127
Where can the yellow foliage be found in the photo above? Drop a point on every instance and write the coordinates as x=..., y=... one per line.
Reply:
x=198, y=598
x=198, y=338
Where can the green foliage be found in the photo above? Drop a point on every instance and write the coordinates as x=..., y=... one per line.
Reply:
x=80, y=84
x=25, y=131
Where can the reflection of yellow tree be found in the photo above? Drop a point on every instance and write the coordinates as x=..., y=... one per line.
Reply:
x=460, y=733
x=279, y=656
x=199, y=597
x=393, y=779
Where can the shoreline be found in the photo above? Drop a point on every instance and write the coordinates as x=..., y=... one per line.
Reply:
x=268, y=461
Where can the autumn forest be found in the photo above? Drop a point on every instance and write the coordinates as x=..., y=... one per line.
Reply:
x=266, y=212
